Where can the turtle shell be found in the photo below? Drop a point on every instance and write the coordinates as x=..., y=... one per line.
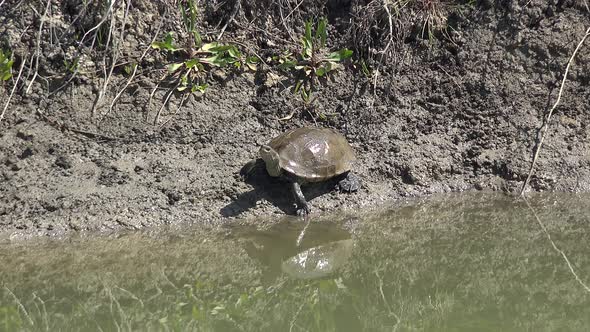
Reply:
x=313, y=154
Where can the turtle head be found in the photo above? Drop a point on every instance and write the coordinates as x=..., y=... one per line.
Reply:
x=271, y=159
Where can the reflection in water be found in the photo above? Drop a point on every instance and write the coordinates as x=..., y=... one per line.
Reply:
x=275, y=248
x=320, y=261
x=461, y=263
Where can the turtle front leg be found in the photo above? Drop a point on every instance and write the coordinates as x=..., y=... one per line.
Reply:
x=303, y=207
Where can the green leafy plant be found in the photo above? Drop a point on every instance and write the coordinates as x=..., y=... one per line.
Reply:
x=130, y=68
x=191, y=72
x=188, y=9
x=167, y=44
x=71, y=66
x=6, y=63
x=199, y=57
x=314, y=60
x=365, y=69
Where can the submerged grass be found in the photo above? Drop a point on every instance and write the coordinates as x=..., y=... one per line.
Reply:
x=10, y=319
x=464, y=265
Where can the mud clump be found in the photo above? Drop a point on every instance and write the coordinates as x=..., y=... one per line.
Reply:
x=94, y=139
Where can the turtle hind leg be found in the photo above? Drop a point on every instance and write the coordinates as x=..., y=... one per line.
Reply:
x=303, y=208
x=349, y=183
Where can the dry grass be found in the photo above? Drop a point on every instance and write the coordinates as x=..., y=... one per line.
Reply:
x=381, y=27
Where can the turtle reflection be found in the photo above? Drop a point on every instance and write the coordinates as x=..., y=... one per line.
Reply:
x=324, y=249
x=318, y=261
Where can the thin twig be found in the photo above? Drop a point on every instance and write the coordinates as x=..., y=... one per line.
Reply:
x=63, y=126
x=545, y=126
x=71, y=78
x=13, y=89
x=91, y=134
x=80, y=43
x=81, y=12
x=555, y=247
x=121, y=91
x=149, y=101
x=38, y=47
x=182, y=99
x=134, y=71
x=293, y=10
x=104, y=19
x=284, y=19
x=231, y=18
x=166, y=102
x=289, y=116
x=116, y=51
x=385, y=50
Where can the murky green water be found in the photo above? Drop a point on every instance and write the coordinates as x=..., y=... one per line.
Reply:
x=461, y=263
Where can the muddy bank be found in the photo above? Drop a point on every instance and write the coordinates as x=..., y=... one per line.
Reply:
x=459, y=110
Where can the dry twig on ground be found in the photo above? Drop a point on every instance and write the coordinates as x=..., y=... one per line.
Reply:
x=545, y=126
x=115, y=53
x=182, y=100
x=20, y=71
x=37, y=53
x=132, y=76
x=170, y=92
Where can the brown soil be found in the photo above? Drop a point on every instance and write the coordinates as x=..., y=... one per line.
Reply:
x=458, y=111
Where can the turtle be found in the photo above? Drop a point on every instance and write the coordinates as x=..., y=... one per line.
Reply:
x=306, y=155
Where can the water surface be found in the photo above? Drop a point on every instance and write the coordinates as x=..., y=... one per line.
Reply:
x=458, y=263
